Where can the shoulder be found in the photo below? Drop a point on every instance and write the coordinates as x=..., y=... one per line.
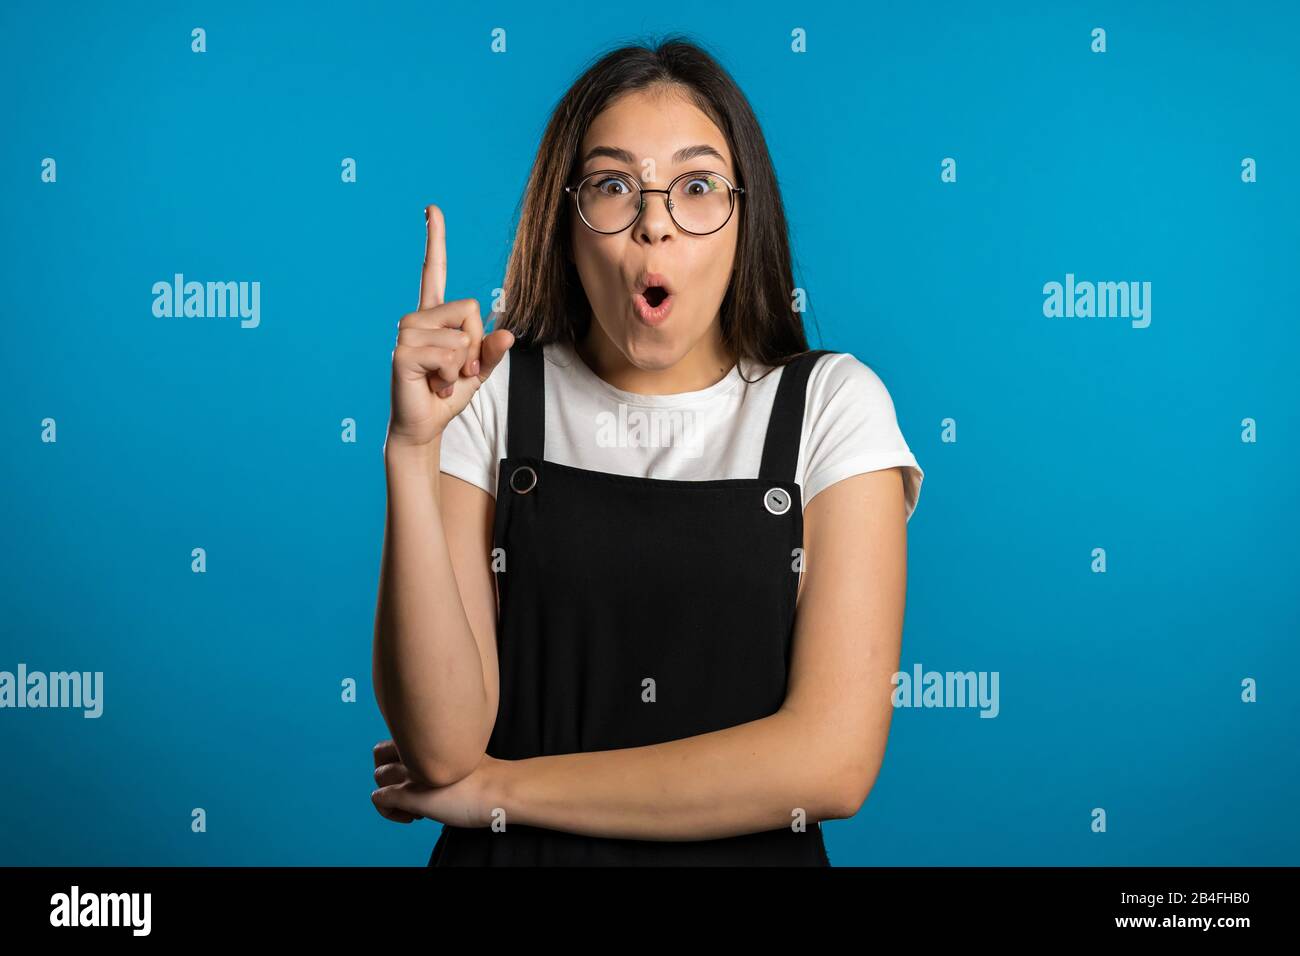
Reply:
x=851, y=426
x=842, y=385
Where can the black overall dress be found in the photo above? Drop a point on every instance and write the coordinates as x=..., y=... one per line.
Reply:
x=635, y=611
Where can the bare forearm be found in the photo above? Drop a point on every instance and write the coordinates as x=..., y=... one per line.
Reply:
x=744, y=779
x=427, y=671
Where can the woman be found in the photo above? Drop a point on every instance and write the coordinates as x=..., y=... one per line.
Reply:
x=644, y=569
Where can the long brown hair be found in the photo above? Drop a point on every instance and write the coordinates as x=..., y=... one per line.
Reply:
x=544, y=300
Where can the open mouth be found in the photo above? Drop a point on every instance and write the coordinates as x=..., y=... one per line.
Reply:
x=655, y=295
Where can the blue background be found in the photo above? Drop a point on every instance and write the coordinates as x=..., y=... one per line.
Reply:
x=222, y=690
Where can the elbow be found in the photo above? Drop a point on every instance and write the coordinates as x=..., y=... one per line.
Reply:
x=431, y=772
x=432, y=769
x=849, y=790
x=849, y=800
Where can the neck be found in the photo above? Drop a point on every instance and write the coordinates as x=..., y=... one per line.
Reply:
x=707, y=363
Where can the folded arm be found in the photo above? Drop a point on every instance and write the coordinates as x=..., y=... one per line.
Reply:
x=818, y=755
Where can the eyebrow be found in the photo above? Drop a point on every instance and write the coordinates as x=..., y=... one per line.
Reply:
x=682, y=155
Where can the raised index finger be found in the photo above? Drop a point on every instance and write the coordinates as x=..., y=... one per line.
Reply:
x=433, y=280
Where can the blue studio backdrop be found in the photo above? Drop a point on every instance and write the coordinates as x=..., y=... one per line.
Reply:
x=1107, y=527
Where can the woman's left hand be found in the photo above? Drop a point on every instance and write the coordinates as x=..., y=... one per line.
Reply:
x=468, y=802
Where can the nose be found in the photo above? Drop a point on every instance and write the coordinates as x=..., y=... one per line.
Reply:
x=654, y=224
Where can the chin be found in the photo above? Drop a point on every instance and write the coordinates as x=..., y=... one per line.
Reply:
x=652, y=349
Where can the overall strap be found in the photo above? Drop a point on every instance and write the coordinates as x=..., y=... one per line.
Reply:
x=785, y=426
x=526, y=408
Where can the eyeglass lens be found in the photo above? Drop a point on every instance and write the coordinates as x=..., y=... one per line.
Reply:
x=700, y=202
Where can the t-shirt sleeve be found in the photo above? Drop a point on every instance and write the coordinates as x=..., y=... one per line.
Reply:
x=851, y=428
x=473, y=441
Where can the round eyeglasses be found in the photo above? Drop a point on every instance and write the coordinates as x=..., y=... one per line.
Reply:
x=699, y=202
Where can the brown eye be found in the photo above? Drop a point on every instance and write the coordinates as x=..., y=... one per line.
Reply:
x=612, y=186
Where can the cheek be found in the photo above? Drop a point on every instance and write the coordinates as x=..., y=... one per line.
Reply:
x=718, y=261
x=597, y=261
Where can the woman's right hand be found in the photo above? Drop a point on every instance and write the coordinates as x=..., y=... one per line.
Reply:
x=442, y=356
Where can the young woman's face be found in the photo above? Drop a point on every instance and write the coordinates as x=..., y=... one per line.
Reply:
x=654, y=137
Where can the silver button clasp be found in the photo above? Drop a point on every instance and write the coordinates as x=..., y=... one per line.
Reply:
x=777, y=501
x=524, y=473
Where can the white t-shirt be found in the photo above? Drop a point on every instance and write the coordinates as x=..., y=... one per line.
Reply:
x=849, y=426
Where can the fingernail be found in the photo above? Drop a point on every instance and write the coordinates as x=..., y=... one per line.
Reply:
x=473, y=367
